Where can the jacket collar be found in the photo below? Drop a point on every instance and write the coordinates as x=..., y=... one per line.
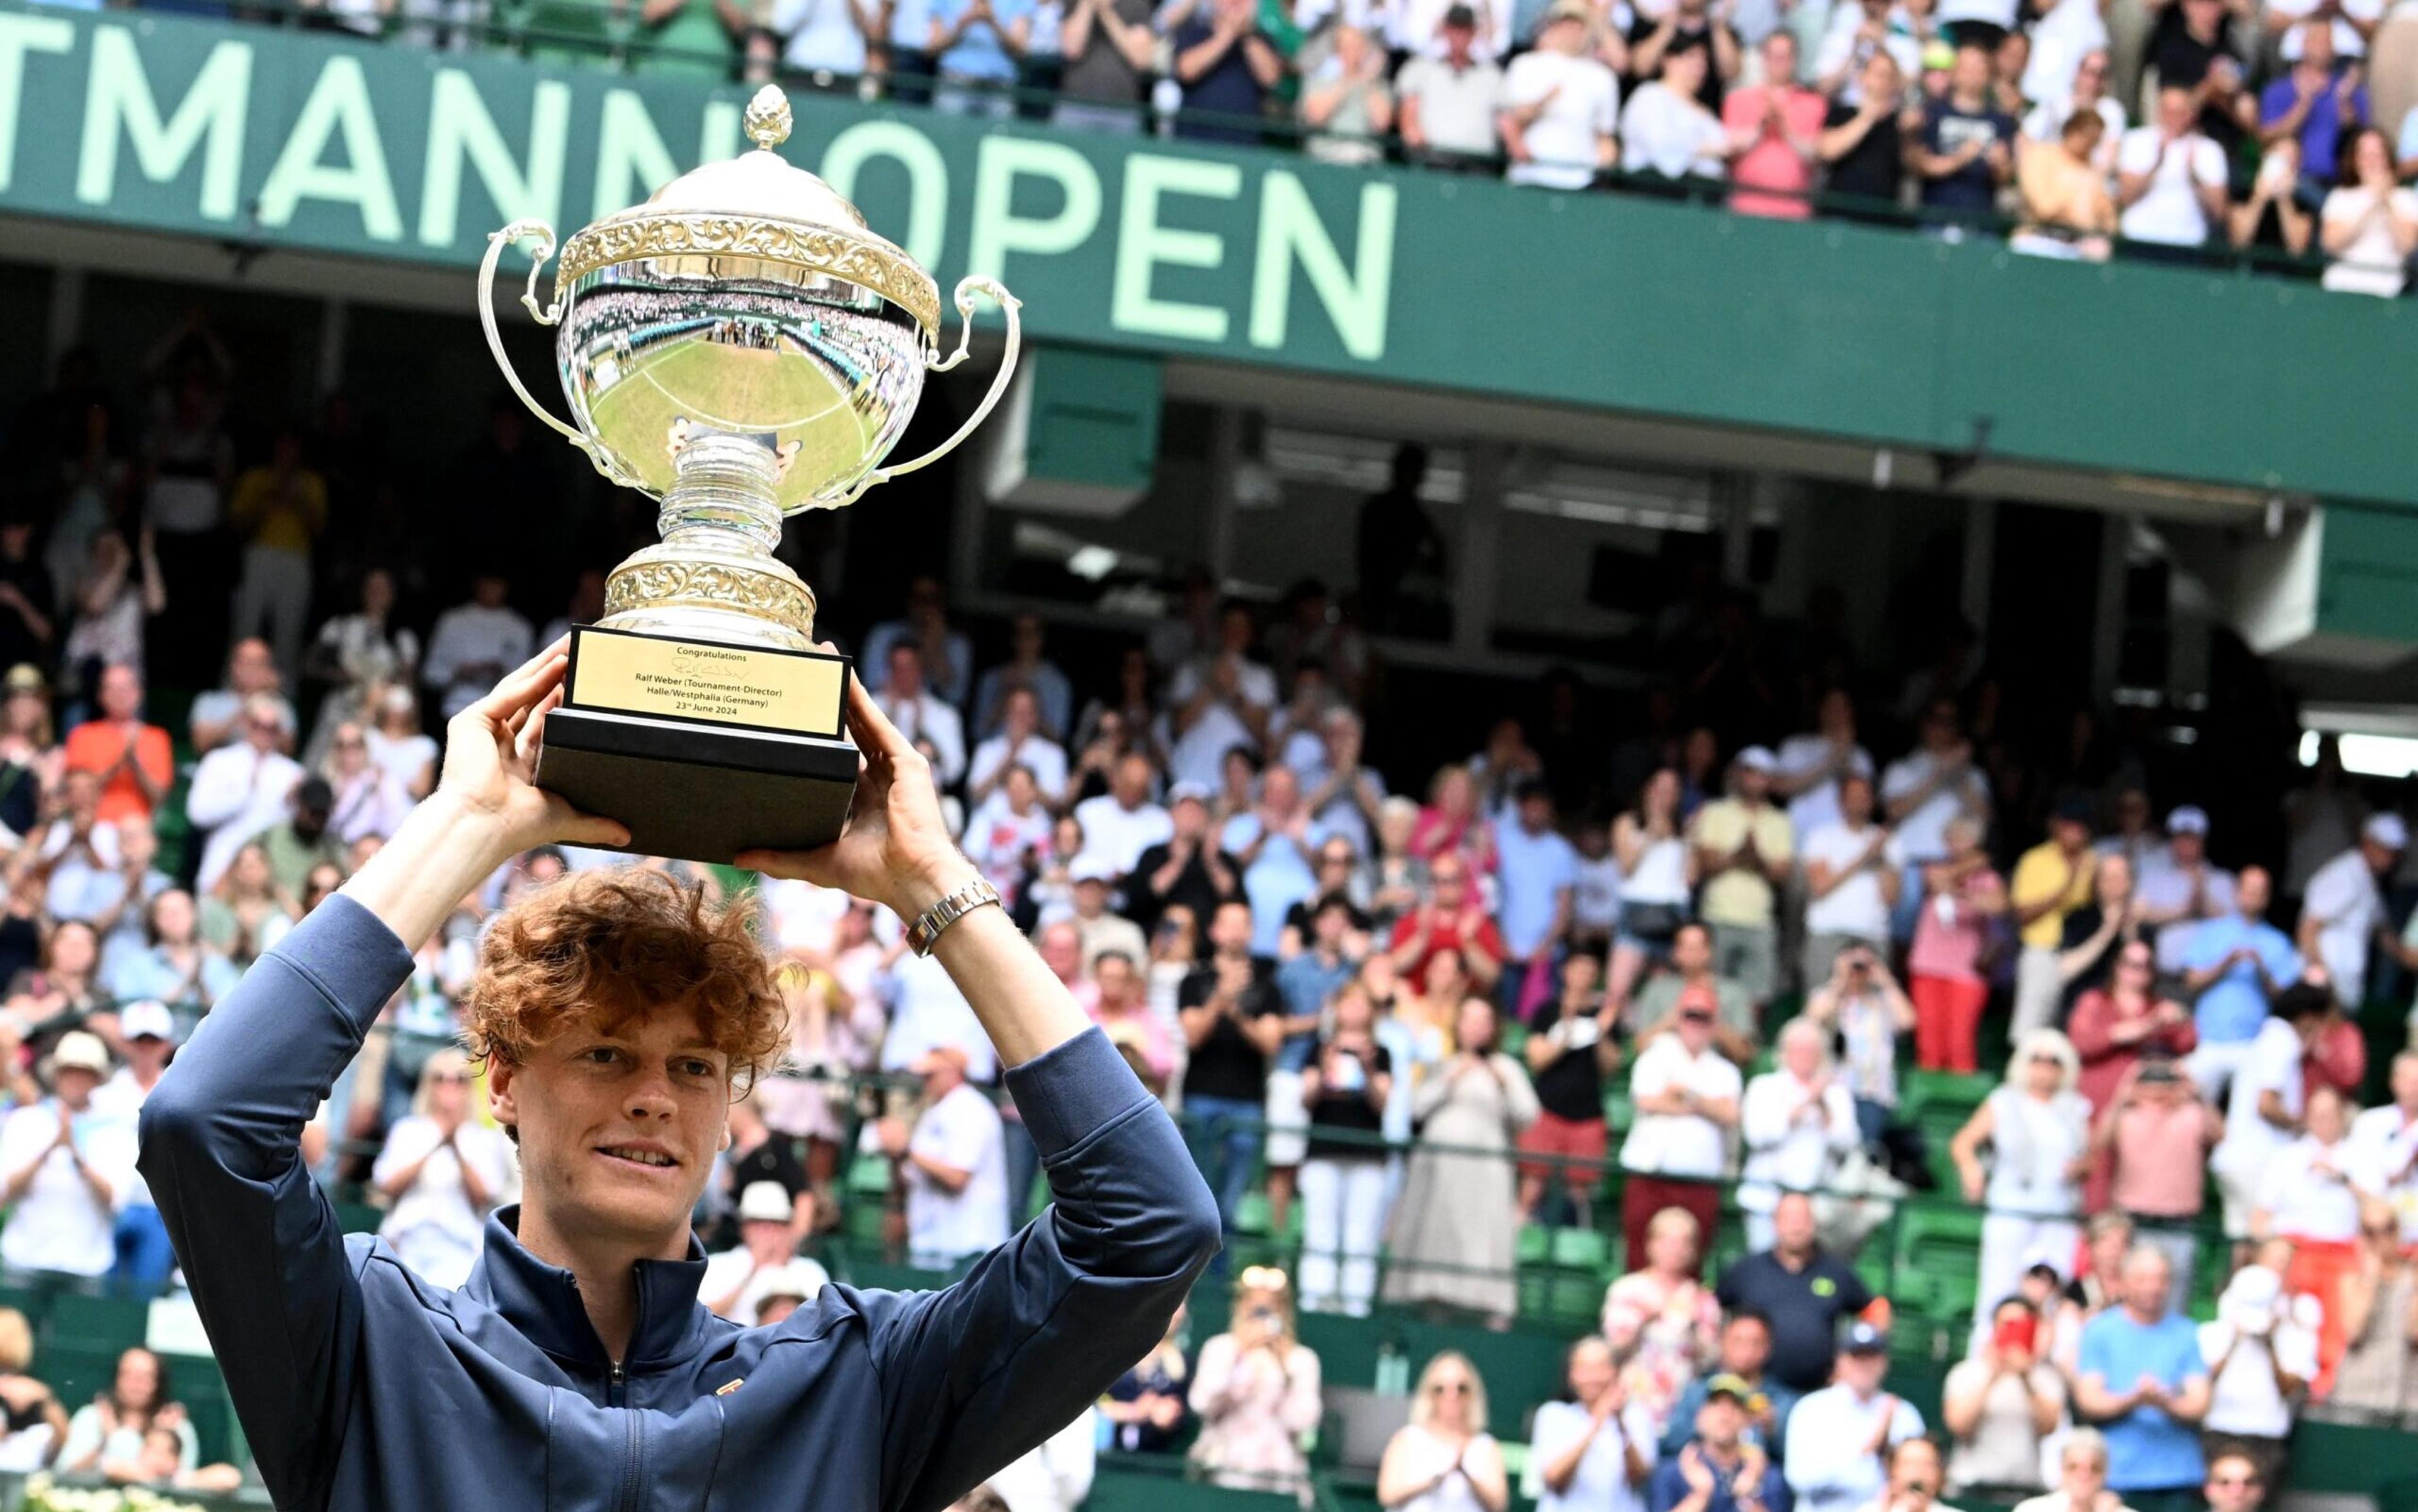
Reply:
x=542, y=1302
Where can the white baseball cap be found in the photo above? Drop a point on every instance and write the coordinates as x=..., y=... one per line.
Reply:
x=1756, y=758
x=2188, y=819
x=765, y=1202
x=796, y=1279
x=80, y=1047
x=149, y=1017
x=2386, y=829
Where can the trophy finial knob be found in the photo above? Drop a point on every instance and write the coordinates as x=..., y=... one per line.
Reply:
x=767, y=121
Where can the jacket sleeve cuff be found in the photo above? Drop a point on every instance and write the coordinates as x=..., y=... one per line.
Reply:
x=1071, y=1091
x=351, y=954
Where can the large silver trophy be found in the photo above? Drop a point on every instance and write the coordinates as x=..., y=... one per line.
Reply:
x=743, y=348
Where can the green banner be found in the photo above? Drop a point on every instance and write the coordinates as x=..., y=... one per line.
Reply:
x=1604, y=301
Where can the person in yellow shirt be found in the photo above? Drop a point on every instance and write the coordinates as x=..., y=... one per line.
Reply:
x=1744, y=846
x=2051, y=880
x=280, y=508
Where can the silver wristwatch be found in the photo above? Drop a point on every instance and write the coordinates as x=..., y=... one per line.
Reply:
x=932, y=920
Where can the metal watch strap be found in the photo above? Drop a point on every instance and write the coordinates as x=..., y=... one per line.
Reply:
x=928, y=924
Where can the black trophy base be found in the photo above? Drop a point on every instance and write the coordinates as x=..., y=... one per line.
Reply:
x=697, y=791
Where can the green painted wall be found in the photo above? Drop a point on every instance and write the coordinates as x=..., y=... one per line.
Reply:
x=1154, y=247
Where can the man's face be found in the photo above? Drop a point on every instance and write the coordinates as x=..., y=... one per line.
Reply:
x=1882, y=84
x=2147, y=1282
x=1451, y=883
x=121, y=693
x=2318, y=45
x=251, y=669
x=2070, y=835
x=1915, y=1471
x=1780, y=71
x=1861, y=1370
x=1692, y=951
x=1720, y=1421
x=2252, y=891
x=906, y=672
x=1230, y=928
x=1792, y=1224
x=2190, y=847
x=1235, y=625
x=1751, y=784
x=75, y=1085
x=264, y=730
x=767, y=1240
x=1022, y=716
x=1091, y=897
x=1191, y=817
x=1745, y=1348
x=1115, y=976
x=2175, y=106
x=1061, y=951
x=2233, y=1485
x=618, y=1124
x=488, y=592
x=1132, y=785
x=1971, y=74
x=1458, y=40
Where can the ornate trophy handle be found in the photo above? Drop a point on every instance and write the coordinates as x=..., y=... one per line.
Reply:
x=1008, y=303
x=548, y=315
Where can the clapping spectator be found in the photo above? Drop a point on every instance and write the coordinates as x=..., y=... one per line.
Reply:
x=1454, y=818
x=919, y=711
x=1661, y=1320
x=1716, y=1470
x=1965, y=153
x=1794, y=1121
x=1561, y=106
x=1121, y=824
x=365, y=797
x=442, y=1171
x=34, y=1424
x=2152, y=1143
x=2114, y=1025
x=2052, y=881
x=1744, y=847
x=1852, y=876
x=106, y=1435
x=1020, y=740
x=1686, y=1095
x=2170, y=179
x=357, y=655
x=1742, y=1357
x=1443, y=1459
x=134, y=760
x=1863, y=141
x=1346, y=1084
x=1839, y=1437
x=64, y=1168
x=1108, y=46
x=2369, y=222
x=2319, y=107
x=2270, y=1092
x=1188, y=869
x=2001, y=1403
x=1658, y=880
x=738, y=1280
x=2378, y=1373
x=1955, y=938
x=1666, y=133
x=475, y=643
x=1595, y=1448
x=1145, y=1408
x=1775, y=130
x=1571, y=1047
x=1345, y=100
x=117, y=592
x=244, y=913
x=1233, y=1023
x=2098, y=934
x=175, y=966
x=244, y=787
x=1863, y=1005
x=1801, y=1292
x=2261, y=1353
x=1457, y=1216
x=2233, y=965
x=1449, y=103
x=2038, y=1129
x=2142, y=1378
x=1256, y=1391
x=953, y=1161
x=2309, y=1195
x=2068, y=211
x=1452, y=918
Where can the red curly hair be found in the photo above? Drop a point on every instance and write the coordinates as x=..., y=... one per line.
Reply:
x=608, y=944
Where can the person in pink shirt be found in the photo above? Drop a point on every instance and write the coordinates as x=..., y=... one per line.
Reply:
x=1946, y=974
x=2152, y=1140
x=1123, y=1013
x=1775, y=129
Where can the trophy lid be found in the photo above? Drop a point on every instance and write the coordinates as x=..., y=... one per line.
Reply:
x=758, y=206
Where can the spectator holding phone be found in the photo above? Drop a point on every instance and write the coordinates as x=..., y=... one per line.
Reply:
x=1863, y=1005
x=1346, y=1087
x=1256, y=1391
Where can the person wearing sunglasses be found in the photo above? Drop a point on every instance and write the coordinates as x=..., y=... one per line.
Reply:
x=1442, y=1460
x=2234, y=1484
x=442, y=1171
x=2037, y=1128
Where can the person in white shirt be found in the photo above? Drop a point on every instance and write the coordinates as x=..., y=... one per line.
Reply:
x=474, y=644
x=1122, y=823
x=1686, y=1095
x=954, y=1159
x=1794, y=1121
x=1012, y=821
x=1219, y=701
x=945, y=655
x=1018, y=744
x=81, y=854
x=738, y=1280
x=443, y=1172
x=2177, y=888
x=1594, y=1452
x=241, y=788
x=928, y=1013
x=2342, y=911
x=1838, y=1437
x=2262, y=1356
x=1928, y=786
x=64, y=1166
x=1665, y=130
x=2384, y=1147
x=2038, y=1131
x=1561, y=107
x=2169, y=178
x=150, y=1032
x=1055, y=1475
x=2369, y=224
x=1853, y=876
x=920, y=714
x=1345, y=796
x=2083, y=86
x=2354, y=22
x=1811, y=766
x=2263, y=1112
x=1418, y=27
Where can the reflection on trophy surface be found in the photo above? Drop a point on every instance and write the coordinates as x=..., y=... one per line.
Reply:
x=742, y=348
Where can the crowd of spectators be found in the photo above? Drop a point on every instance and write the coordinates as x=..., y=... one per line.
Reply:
x=2245, y=124
x=1397, y=1021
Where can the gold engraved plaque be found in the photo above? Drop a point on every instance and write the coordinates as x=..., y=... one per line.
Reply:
x=793, y=692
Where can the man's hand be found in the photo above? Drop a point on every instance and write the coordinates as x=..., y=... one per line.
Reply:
x=66, y=1139
x=893, y=1134
x=895, y=848
x=491, y=752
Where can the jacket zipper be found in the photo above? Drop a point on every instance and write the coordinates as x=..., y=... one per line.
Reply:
x=629, y=1497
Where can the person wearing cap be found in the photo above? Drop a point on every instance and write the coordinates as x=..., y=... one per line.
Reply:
x=954, y=1158
x=2141, y=1377
x=1099, y=929
x=2176, y=883
x=135, y=761
x=2342, y=912
x=1717, y=1470
x=2050, y=881
x=2233, y=965
x=738, y=1280
x=1595, y=1450
x=304, y=837
x=148, y=1031
x=1744, y=847
x=65, y=1167
x=1561, y=106
x=1449, y=100
x=1838, y=1436
x=2152, y=1142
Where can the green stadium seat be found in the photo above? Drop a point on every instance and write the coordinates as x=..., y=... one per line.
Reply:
x=115, y=1323
x=1938, y=1102
x=1938, y=1257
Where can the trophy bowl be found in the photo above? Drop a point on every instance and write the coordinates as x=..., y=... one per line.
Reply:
x=742, y=347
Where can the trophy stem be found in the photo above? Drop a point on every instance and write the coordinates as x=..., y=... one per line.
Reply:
x=724, y=483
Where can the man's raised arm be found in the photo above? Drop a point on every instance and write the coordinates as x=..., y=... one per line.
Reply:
x=972, y=1375
x=259, y=1243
